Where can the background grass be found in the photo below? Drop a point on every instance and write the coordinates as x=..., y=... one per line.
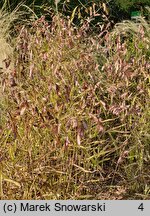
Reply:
x=74, y=112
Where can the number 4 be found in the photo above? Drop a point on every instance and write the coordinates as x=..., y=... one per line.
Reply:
x=141, y=207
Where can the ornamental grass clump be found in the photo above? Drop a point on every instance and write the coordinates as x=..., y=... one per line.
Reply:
x=76, y=114
x=49, y=125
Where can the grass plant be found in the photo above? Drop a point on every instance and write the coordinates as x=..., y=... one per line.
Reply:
x=75, y=117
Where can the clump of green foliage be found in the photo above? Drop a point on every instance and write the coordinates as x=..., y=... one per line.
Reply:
x=75, y=116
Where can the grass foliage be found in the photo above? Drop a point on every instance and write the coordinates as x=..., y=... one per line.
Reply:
x=75, y=113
